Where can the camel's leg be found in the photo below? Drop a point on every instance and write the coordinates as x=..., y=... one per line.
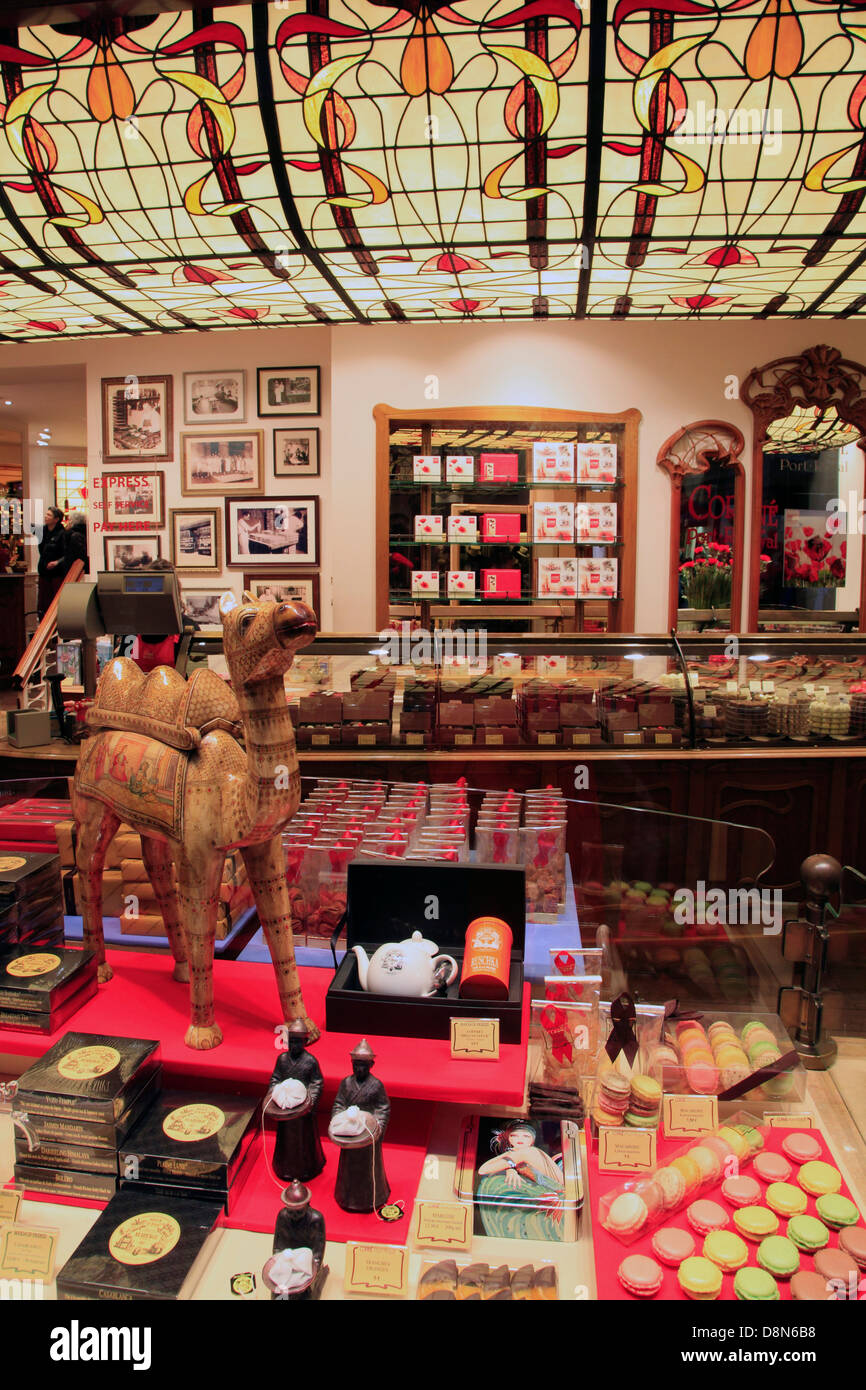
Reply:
x=266, y=869
x=198, y=885
x=158, y=862
x=97, y=826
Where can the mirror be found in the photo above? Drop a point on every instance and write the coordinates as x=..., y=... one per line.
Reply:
x=807, y=543
x=703, y=463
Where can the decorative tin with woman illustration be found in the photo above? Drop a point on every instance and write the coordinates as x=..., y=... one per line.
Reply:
x=523, y=1177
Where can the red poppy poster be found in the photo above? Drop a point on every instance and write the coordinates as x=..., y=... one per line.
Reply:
x=815, y=556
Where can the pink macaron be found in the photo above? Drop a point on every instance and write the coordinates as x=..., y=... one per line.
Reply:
x=802, y=1148
x=704, y=1216
x=672, y=1245
x=771, y=1167
x=640, y=1276
x=742, y=1192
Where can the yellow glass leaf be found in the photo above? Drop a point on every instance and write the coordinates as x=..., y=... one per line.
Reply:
x=667, y=56
x=318, y=88
x=541, y=77
x=213, y=98
x=93, y=210
x=695, y=176
x=655, y=190
x=643, y=91
x=346, y=202
x=18, y=108
x=814, y=179
x=493, y=180
x=194, y=205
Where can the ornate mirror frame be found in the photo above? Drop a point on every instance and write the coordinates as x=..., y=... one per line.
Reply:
x=695, y=449
x=821, y=377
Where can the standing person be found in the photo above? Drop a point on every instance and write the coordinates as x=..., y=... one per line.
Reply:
x=53, y=562
x=76, y=539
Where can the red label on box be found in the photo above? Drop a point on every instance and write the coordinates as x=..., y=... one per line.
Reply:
x=500, y=526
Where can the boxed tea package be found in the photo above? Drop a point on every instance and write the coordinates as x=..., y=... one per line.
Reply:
x=93, y=1076
x=194, y=1141
x=40, y=988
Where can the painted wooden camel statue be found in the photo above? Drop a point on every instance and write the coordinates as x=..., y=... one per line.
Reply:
x=166, y=757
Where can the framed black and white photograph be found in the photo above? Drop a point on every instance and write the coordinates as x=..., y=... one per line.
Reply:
x=195, y=540
x=203, y=607
x=131, y=552
x=266, y=531
x=214, y=396
x=302, y=587
x=288, y=390
x=296, y=453
x=134, y=500
x=216, y=465
x=137, y=415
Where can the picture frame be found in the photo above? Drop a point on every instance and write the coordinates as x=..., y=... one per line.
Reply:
x=288, y=390
x=134, y=500
x=196, y=542
x=131, y=551
x=281, y=587
x=269, y=531
x=219, y=464
x=137, y=418
x=202, y=605
x=215, y=395
x=296, y=452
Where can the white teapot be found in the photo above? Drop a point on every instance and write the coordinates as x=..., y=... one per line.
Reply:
x=411, y=968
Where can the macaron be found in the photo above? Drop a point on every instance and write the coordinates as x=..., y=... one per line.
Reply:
x=779, y=1256
x=639, y=1120
x=672, y=1186
x=742, y=1192
x=809, y=1287
x=640, y=1276
x=626, y=1215
x=801, y=1148
x=755, y=1223
x=837, y=1211
x=690, y=1171
x=852, y=1243
x=702, y=1078
x=785, y=1199
x=726, y=1249
x=772, y=1167
x=704, y=1216
x=672, y=1245
x=838, y=1265
x=614, y=1091
x=753, y=1137
x=699, y=1278
x=755, y=1286
x=808, y=1233
x=738, y=1142
x=819, y=1179
x=646, y=1094
x=708, y=1162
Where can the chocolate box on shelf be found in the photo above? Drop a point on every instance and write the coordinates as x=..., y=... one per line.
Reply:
x=93, y=1076
x=144, y=1245
x=385, y=903
x=321, y=708
x=319, y=735
x=367, y=735
x=199, y=1142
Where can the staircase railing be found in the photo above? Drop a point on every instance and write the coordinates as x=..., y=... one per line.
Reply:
x=29, y=676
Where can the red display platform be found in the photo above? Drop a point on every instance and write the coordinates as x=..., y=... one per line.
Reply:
x=144, y=1001
x=609, y=1252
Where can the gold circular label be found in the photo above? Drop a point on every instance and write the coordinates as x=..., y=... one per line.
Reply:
x=84, y=1063
x=11, y=861
x=190, y=1123
x=142, y=1239
x=37, y=963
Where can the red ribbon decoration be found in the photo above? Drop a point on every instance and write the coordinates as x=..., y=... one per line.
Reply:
x=554, y=1022
x=546, y=845
x=564, y=963
x=500, y=846
x=294, y=859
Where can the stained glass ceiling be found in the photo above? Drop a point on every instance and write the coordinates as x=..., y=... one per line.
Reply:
x=327, y=161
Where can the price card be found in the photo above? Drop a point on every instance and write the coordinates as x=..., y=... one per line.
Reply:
x=710, y=711
x=694, y=677
x=9, y=1200
x=475, y=1039
x=689, y=1117
x=380, y=1270
x=768, y=686
x=27, y=1252
x=731, y=687
x=462, y=738
x=809, y=687
x=664, y=738
x=700, y=696
x=626, y=1150
x=547, y=738
x=493, y=739
x=755, y=687
x=443, y=1225
x=803, y=1120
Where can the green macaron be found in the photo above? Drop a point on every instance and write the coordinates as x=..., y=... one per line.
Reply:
x=779, y=1256
x=808, y=1233
x=755, y=1286
x=753, y=1137
x=837, y=1211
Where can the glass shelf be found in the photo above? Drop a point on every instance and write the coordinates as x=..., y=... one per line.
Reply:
x=500, y=545
x=408, y=485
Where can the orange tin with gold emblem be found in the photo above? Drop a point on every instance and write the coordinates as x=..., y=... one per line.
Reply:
x=487, y=959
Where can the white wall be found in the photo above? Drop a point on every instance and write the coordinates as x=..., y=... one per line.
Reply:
x=674, y=373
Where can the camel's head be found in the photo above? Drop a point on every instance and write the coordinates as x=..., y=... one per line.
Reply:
x=260, y=637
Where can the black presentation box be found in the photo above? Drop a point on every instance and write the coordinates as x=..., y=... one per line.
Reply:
x=194, y=1141
x=95, y=1135
x=143, y=1246
x=388, y=902
x=93, y=1076
x=66, y=1182
x=38, y=981
x=49, y=1022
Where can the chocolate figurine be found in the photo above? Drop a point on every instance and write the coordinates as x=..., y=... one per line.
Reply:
x=295, y=1272
x=358, y=1122
x=298, y=1149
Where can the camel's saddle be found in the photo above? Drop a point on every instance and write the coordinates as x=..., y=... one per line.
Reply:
x=162, y=705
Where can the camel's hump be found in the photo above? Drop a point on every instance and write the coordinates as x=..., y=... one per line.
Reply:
x=162, y=704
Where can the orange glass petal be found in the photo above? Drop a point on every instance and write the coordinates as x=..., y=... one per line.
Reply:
x=776, y=42
x=109, y=90
x=426, y=64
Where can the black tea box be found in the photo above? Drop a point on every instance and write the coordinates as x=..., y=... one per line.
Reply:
x=66, y=1182
x=68, y=1129
x=36, y=981
x=48, y=1022
x=94, y=1076
x=142, y=1246
x=191, y=1140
